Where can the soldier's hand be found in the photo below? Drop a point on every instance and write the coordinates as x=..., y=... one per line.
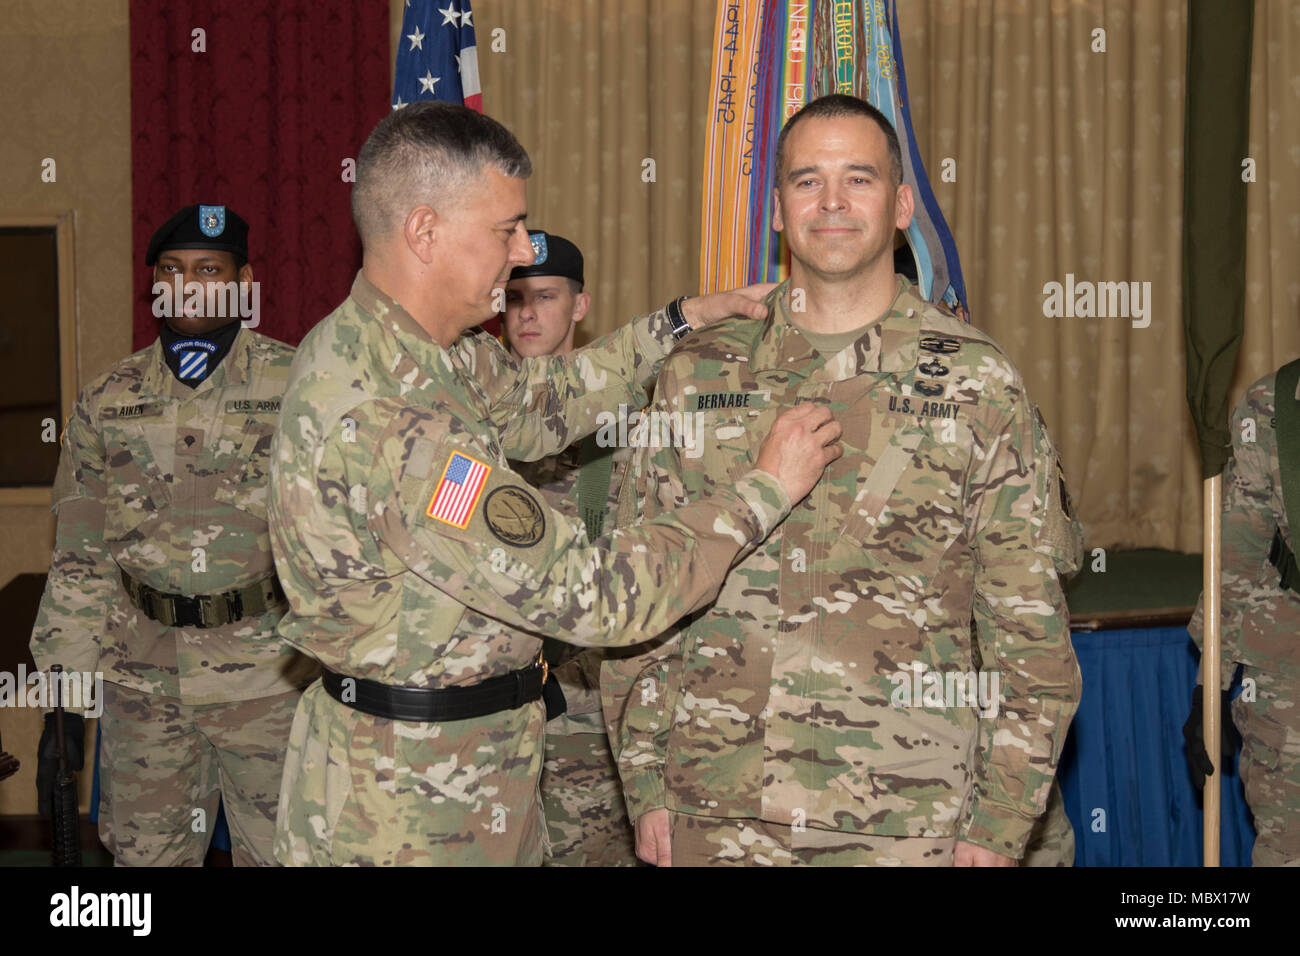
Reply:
x=802, y=442
x=699, y=311
x=47, y=756
x=968, y=854
x=1198, y=758
x=652, y=843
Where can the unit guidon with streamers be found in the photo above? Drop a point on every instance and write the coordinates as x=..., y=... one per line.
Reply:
x=458, y=490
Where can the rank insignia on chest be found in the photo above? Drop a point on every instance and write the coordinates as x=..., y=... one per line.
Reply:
x=458, y=490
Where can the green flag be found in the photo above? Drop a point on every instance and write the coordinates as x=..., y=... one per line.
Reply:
x=1217, y=126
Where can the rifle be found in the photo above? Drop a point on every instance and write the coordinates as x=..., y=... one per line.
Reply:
x=64, y=818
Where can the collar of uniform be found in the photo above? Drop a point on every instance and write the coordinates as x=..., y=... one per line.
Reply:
x=889, y=344
x=388, y=311
x=412, y=337
x=779, y=346
x=157, y=377
x=239, y=363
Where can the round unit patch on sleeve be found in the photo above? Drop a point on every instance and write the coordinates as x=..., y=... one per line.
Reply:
x=514, y=516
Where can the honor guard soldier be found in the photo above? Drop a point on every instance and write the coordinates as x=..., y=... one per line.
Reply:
x=582, y=800
x=828, y=707
x=162, y=576
x=1260, y=616
x=421, y=569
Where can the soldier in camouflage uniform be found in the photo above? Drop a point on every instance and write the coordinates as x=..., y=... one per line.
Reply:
x=796, y=719
x=1259, y=621
x=582, y=800
x=162, y=574
x=421, y=570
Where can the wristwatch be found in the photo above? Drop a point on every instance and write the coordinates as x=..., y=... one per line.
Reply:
x=680, y=326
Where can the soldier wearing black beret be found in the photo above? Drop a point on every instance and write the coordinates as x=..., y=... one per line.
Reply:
x=582, y=798
x=162, y=577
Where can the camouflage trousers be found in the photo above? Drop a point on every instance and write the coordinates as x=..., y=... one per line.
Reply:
x=367, y=791
x=715, y=841
x=582, y=803
x=164, y=766
x=1052, y=841
x=1270, y=765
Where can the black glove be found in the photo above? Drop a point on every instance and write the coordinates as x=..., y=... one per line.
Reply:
x=1198, y=759
x=47, y=756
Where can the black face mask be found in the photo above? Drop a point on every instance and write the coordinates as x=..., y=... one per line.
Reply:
x=193, y=358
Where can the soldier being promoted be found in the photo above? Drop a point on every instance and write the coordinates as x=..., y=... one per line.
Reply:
x=582, y=799
x=1260, y=616
x=162, y=576
x=422, y=571
x=827, y=707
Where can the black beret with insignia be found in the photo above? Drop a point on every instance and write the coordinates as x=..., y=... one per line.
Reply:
x=201, y=227
x=556, y=256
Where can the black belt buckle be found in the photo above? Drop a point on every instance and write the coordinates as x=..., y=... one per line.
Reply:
x=186, y=611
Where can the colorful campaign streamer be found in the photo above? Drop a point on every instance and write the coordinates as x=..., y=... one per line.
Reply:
x=729, y=157
x=792, y=51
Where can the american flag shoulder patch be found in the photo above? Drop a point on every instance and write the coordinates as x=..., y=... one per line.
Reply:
x=458, y=490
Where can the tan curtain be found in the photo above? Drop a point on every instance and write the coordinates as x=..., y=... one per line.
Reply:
x=1068, y=161
x=593, y=89
x=1272, y=335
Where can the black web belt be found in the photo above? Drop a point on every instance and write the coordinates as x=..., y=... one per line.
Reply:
x=1280, y=556
x=431, y=704
x=204, y=610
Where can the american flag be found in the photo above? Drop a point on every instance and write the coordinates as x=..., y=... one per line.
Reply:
x=436, y=55
x=457, y=493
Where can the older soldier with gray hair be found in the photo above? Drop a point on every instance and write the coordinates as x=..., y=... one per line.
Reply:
x=421, y=570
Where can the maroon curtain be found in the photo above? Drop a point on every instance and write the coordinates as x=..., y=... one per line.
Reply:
x=261, y=121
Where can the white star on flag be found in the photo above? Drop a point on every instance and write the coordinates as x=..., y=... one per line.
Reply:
x=441, y=62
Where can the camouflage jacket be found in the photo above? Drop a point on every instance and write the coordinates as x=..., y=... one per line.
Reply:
x=388, y=581
x=1258, y=620
x=577, y=669
x=789, y=699
x=169, y=484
